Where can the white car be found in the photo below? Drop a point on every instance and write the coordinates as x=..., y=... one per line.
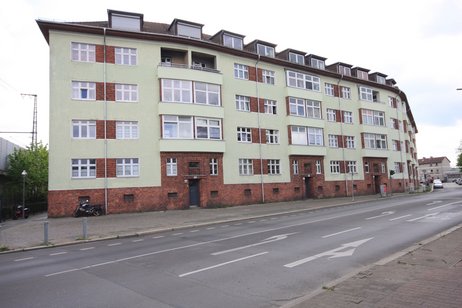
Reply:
x=437, y=183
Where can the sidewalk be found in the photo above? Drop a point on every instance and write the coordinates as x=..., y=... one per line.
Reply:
x=427, y=275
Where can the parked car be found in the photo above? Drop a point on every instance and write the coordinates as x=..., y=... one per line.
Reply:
x=437, y=183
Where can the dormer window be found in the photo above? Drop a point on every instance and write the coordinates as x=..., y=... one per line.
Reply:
x=296, y=58
x=362, y=75
x=264, y=50
x=344, y=70
x=316, y=63
x=380, y=79
x=125, y=20
x=189, y=31
x=232, y=41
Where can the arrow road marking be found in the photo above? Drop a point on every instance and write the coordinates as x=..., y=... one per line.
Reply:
x=381, y=215
x=422, y=217
x=334, y=253
x=438, y=207
x=265, y=241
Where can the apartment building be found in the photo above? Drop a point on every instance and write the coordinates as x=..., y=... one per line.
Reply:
x=150, y=116
x=431, y=168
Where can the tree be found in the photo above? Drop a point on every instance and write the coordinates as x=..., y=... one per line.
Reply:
x=33, y=159
x=459, y=158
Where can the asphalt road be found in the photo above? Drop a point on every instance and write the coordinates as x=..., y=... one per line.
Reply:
x=252, y=263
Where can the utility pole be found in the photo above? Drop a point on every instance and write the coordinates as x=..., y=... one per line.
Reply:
x=34, y=119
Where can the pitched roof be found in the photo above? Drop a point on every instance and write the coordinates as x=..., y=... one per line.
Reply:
x=432, y=160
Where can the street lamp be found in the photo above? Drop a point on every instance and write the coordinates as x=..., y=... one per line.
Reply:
x=24, y=174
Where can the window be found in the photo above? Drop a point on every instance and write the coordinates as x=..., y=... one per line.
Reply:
x=264, y=50
x=373, y=117
x=296, y=58
x=127, y=167
x=270, y=106
x=306, y=135
x=126, y=93
x=318, y=167
x=348, y=117
x=245, y=166
x=83, y=168
x=83, y=90
x=366, y=167
x=242, y=103
x=244, y=134
x=274, y=167
x=298, y=135
x=345, y=92
x=272, y=136
x=303, y=81
x=351, y=165
x=241, y=71
x=381, y=79
x=232, y=41
x=333, y=141
x=208, y=128
x=268, y=76
x=177, y=127
x=331, y=115
x=397, y=167
x=213, y=166
x=316, y=63
x=335, y=166
x=126, y=130
x=171, y=167
x=396, y=145
x=384, y=170
x=83, y=129
x=376, y=96
x=344, y=70
x=83, y=52
x=206, y=93
x=362, y=75
x=297, y=106
x=329, y=89
x=295, y=167
x=365, y=94
x=188, y=30
x=176, y=91
x=375, y=141
x=350, y=142
x=313, y=109
x=315, y=136
x=125, y=56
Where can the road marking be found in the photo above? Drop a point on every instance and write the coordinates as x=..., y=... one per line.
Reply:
x=225, y=226
x=441, y=206
x=334, y=253
x=23, y=259
x=210, y=228
x=381, y=215
x=238, y=224
x=196, y=230
x=251, y=222
x=434, y=202
x=341, y=232
x=404, y=216
x=62, y=272
x=87, y=248
x=138, y=240
x=114, y=244
x=158, y=236
x=58, y=253
x=265, y=241
x=422, y=217
x=176, y=234
x=222, y=264
x=262, y=220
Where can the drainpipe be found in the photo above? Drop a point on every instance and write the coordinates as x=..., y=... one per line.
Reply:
x=343, y=142
x=259, y=132
x=399, y=140
x=105, y=122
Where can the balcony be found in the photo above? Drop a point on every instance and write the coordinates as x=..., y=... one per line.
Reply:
x=192, y=67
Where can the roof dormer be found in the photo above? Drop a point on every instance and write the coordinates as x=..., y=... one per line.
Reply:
x=262, y=48
x=125, y=20
x=186, y=28
x=229, y=39
x=341, y=68
x=293, y=56
x=316, y=61
x=360, y=73
x=378, y=77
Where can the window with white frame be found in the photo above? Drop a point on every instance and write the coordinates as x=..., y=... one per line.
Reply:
x=206, y=93
x=297, y=106
x=242, y=103
x=362, y=75
x=333, y=141
x=331, y=115
x=381, y=79
x=82, y=129
x=348, y=117
x=174, y=90
x=274, y=166
x=264, y=50
x=83, y=52
x=296, y=58
x=345, y=92
x=83, y=168
x=171, y=166
x=315, y=136
x=395, y=145
x=303, y=81
x=329, y=89
x=189, y=30
x=352, y=168
x=335, y=167
x=298, y=135
x=244, y=134
x=268, y=76
x=384, y=170
x=313, y=109
x=301, y=135
x=245, y=166
x=127, y=130
x=316, y=63
x=125, y=56
x=318, y=167
x=126, y=93
x=272, y=136
x=270, y=106
x=373, y=117
x=127, y=167
x=375, y=141
x=397, y=167
x=365, y=94
x=213, y=166
x=208, y=128
x=177, y=127
x=83, y=90
x=232, y=41
x=350, y=142
x=241, y=71
x=344, y=70
x=295, y=167
x=366, y=167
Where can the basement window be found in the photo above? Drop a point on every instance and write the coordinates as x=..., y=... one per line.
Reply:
x=129, y=198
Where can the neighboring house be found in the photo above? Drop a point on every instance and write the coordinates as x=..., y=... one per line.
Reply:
x=6, y=148
x=150, y=116
x=434, y=168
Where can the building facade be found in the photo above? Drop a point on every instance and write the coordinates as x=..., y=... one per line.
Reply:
x=434, y=168
x=149, y=116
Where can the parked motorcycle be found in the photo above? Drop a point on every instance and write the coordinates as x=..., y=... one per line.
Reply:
x=86, y=209
x=18, y=212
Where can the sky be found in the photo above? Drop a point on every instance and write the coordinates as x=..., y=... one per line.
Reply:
x=417, y=43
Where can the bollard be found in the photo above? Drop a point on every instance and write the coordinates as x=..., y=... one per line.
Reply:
x=84, y=225
x=45, y=232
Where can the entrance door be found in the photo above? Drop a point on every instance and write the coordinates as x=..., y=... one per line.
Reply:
x=194, y=193
x=307, y=188
x=377, y=184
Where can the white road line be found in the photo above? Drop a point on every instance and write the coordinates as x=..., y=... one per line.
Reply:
x=422, y=217
x=192, y=231
x=114, y=244
x=210, y=228
x=159, y=236
x=176, y=234
x=222, y=264
x=225, y=226
x=396, y=218
x=238, y=224
x=23, y=259
x=138, y=240
x=58, y=253
x=441, y=206
x=251, y=222
x=87, y=248
x=341, y=232
x=62, y=272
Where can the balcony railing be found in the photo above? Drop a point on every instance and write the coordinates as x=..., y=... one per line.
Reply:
x=186, y=66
